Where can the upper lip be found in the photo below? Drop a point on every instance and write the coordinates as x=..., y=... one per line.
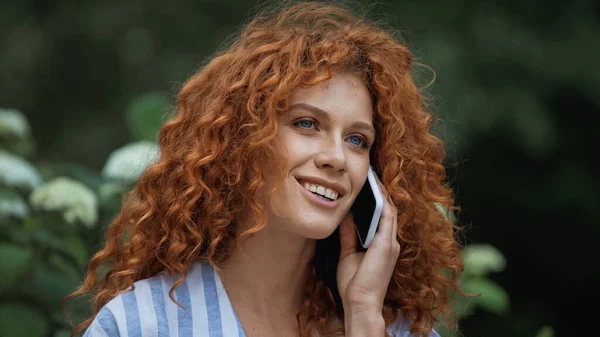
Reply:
x=339, y=188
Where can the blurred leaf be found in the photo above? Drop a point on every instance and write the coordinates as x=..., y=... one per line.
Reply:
x=110, y=194
x=76, y=248
x=463, y=306
x=14, y=261
x=75, y=171
x=447, y=214
x=47, y=239
x=12, y=205
x=145, y=115
x=51, y=285
x=442, y=330
x=62, y=333
x=58, y=317
x=480, y=259
x=493, y=298
x=30, y=224
x=64, y=266
x=545, y=331
x=19, y=236
x=21, y=320
x=24, y=148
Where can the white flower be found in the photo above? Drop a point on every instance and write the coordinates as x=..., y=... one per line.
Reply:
x=130, y=161
x=482, y=258
x=11, y=204
x=16, y=171
x=13, y=123
x=76, y=201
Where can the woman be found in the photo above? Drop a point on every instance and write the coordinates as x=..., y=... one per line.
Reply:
x=223, y=236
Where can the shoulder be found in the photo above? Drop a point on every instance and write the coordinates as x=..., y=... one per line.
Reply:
x=400, y=328
x=146, y=308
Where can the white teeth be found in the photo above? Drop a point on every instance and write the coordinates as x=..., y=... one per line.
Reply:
x=329, y=193
x=321, y=190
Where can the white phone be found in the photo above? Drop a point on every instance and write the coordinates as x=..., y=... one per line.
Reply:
x=366, y=209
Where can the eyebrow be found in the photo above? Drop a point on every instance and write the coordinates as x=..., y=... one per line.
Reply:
x=325, y=115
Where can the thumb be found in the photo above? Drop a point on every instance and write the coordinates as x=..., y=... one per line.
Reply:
x=348, y=239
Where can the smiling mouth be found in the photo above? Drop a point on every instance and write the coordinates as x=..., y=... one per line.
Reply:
x=320, y=191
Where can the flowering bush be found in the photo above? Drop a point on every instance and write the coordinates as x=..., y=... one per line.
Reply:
x=52, y=218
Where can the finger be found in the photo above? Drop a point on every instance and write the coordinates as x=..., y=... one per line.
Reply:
x=387, y=232
x=395, y=225
x=387, y=199
x=382, y=189
x=348, y=239
x=395, y=241
x=386, y=227
x=379, y=259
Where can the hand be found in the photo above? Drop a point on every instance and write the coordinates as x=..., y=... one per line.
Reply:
x=363, y=277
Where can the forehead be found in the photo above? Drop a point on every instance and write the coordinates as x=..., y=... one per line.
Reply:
x=343, y=96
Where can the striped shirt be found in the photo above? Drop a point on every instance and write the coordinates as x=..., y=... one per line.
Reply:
x=148, y=311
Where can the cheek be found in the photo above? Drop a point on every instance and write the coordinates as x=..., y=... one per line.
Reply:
x=285, y=193
x=298, y=149
x=359, y=176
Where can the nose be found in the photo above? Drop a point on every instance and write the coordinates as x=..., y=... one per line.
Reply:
x=332, y=155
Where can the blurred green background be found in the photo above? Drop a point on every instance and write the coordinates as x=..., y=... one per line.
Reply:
x=84, y=86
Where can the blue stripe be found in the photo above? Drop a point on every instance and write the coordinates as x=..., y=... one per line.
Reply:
x=241, y=332
x=108, y=322
x=212, y=301
x=158, y=300
x=132, y=314
x=184, y=315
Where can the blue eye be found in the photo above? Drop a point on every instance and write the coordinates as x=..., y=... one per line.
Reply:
x=359, y=141
x=306, y=123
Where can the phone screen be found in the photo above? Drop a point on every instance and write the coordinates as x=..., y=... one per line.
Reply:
x=363, y=211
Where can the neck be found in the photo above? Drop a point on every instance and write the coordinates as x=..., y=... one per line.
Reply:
x=267, y=272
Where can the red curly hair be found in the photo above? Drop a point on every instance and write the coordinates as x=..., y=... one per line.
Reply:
x=213, y=151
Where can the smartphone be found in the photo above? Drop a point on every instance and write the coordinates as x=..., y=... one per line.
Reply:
x=366, y=209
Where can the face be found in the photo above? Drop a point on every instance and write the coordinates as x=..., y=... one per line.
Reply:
x=326, y=134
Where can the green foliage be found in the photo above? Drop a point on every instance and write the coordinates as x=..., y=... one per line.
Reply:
x=493, y=298
x=18, y=319
x=480, y=260
x=13, y=260
x=51, y=214
x=545, y=331
x=145, y=115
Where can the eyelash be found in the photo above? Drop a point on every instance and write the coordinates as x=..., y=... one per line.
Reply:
x=366, y=144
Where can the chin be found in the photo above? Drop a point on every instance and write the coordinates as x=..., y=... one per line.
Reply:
x=316, y=231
